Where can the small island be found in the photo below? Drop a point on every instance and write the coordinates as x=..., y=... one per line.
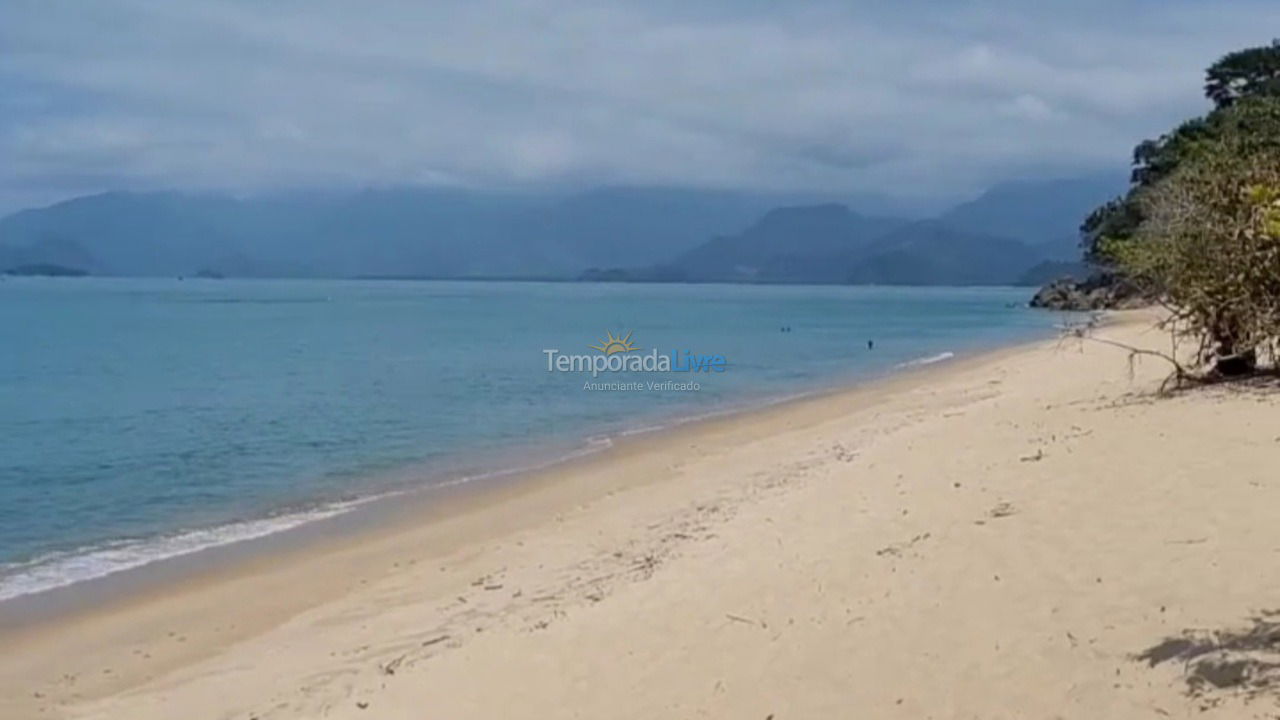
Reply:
x=45, y=270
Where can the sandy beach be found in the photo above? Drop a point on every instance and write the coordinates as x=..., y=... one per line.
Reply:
x=1016, y=535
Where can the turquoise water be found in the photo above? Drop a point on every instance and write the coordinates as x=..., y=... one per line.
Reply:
x=141, y=419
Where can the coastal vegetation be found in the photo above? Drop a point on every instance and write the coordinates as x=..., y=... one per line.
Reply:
x=1199, y=230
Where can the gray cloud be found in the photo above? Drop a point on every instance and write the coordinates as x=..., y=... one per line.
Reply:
x=910, y=98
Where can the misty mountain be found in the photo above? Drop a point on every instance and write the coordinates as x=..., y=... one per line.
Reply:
x=614, y=227
x=305, y=234
x=1043, y=213
x=792, y=244
x=1047, y=271
x=934, y=253
x=830, y=243
x=53, y=251
x=642, y=233
x=391, y=232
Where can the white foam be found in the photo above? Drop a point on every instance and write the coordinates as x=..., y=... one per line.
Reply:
x=65, y=568
x=60, y=569
x=928, y=360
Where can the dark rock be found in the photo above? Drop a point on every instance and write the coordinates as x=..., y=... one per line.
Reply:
x=1100, y=291
x=1061, y=294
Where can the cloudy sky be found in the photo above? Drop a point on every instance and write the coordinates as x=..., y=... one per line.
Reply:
x=911, y=97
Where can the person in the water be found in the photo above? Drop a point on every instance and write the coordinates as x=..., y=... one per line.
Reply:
x=871, y=344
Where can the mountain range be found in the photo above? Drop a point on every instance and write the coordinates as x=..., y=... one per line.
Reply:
x=1021, y=233
x=638, y=233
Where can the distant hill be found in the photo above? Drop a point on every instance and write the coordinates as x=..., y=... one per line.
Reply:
x=609, y=233
x=934, y=253
x=53, y=250
x=832, y=244
x=1048, y=271
x=793, y=244
x=1012, y=234
x=1037, y=212
x=123, y=233
x=389, y=232
x=631, y=226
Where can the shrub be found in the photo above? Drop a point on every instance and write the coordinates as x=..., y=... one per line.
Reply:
x=1209, y=240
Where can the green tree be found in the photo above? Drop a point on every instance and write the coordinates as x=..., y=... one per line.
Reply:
x=1245, y=73
x=1248, y=73
x=1208, y=243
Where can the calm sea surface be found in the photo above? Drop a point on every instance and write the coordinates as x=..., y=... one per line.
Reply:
x=142, y=419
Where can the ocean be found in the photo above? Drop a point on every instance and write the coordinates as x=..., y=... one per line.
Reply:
x=143, y=419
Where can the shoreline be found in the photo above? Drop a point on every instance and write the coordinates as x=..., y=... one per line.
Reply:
x=176, y=583
x=1017, y=524
x=238, y=540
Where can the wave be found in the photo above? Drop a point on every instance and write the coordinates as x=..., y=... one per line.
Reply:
x=59, y=569
x=63, y=568
x=927, y=360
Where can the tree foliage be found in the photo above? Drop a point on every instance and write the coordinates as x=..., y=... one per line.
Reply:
x=1237, y=76
x=1251, y=72
x=1208, y=242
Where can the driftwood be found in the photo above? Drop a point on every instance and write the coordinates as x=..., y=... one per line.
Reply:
x=1181, y=374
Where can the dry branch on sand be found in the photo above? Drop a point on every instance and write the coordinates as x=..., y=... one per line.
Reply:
x=1191, y=356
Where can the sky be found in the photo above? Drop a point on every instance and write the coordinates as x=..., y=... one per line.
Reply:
x=910, y=98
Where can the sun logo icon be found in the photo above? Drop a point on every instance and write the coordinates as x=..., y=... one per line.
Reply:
x=612, y=345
